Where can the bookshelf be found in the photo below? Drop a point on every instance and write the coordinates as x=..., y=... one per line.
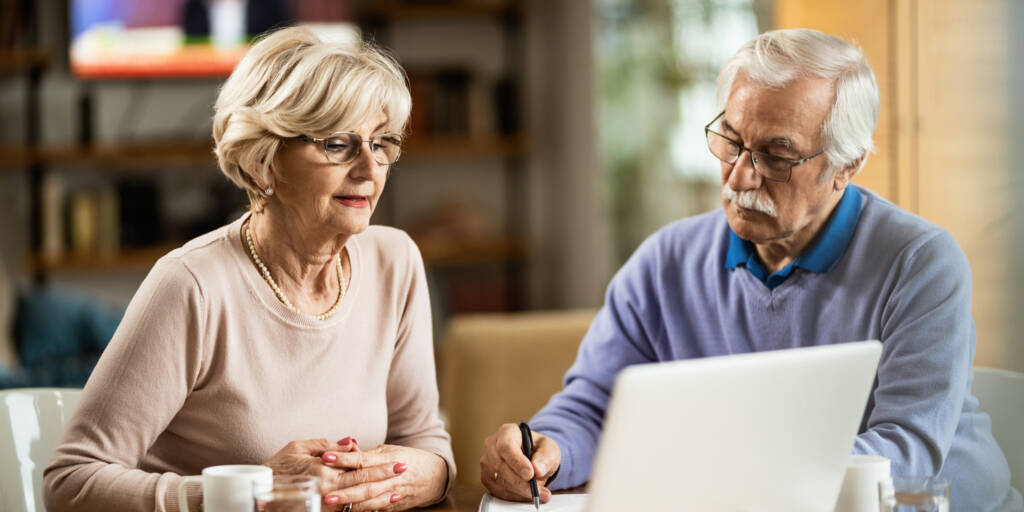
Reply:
x=131, y=259
x=138, y=155
x=140, y=259
x=450, y=132
x=462, y=146
x=467, y=115
x=14, y=61
x=154, y=154
x=29, y=62
x=155, y=157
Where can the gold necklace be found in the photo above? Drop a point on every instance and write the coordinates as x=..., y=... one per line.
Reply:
x=342, y=286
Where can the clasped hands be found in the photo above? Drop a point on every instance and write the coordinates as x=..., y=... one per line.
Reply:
x=385, y=478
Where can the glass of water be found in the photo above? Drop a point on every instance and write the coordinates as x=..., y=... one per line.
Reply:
x=291, y=493
x=914, y=494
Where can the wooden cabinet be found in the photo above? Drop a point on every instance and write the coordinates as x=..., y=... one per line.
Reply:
x=866, y=23
x=945, y=137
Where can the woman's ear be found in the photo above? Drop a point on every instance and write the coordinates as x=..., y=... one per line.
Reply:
x=268, y=176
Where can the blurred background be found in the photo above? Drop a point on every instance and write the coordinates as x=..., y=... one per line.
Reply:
x=548, y=139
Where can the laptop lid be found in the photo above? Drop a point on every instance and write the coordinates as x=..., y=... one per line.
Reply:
x=760, y=431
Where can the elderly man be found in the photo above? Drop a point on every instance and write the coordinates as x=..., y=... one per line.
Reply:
x=798, y=256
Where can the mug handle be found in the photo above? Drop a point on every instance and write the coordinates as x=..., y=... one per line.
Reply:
x=182, y=497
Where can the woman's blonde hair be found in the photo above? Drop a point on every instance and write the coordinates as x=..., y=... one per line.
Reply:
x=291, y=83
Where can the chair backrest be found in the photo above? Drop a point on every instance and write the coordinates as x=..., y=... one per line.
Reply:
x=32, y=423
x=1001, y=395
x=501, y=368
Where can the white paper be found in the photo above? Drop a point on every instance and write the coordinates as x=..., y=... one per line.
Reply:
x=558, y=503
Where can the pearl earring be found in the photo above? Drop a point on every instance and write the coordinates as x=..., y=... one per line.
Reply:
x=269, y=191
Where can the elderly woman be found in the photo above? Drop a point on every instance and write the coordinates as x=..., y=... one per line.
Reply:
x=295, y=323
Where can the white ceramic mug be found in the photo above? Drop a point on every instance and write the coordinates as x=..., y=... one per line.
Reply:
x=859, y=492
x=228, y=488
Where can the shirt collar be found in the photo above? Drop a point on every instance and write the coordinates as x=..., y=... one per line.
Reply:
x=824, y=252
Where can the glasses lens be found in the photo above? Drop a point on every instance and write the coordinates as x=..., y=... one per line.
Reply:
x=772, y=167
x=387, y=148
x=341, y=147
x=723, y=148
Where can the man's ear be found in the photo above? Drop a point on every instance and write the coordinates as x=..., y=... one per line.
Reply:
x=843, y=176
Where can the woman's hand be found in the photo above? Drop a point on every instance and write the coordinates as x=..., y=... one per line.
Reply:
x=307, y=458
x=506, y=472
x=386, y=478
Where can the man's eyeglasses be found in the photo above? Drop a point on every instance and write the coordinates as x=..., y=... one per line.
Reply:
x=343, y=147
x=771, y=167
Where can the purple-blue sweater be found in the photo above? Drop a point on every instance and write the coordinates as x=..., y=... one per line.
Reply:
x=900, y=279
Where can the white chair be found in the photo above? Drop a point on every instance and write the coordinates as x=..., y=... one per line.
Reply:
x=1001, y=394
x=32, y=423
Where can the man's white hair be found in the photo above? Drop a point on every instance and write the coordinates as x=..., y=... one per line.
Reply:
x=774, y=59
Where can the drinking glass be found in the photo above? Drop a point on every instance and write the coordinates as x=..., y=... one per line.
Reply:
x=291, y=493
x=914, y=494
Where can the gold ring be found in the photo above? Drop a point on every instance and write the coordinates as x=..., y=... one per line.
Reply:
x=495, y=476
x=347, y=508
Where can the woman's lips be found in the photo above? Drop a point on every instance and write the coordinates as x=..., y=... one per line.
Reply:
x=353, y=201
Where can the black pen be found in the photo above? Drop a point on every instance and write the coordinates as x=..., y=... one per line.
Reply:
x=528, y=451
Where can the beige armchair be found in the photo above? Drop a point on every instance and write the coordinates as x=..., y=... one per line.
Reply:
x=501, y=368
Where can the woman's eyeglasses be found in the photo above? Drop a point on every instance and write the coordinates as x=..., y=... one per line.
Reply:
x=343, y=147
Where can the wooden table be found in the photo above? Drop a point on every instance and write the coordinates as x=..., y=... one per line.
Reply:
x=463, y=498
x=466, y=498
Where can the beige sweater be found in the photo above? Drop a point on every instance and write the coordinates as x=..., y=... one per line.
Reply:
x=209, y=368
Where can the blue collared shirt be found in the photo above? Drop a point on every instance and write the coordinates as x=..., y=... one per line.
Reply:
x=823, y=254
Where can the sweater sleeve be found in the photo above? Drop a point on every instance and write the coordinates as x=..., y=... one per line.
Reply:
x=139, y=384
x=622, y=334
x=928, y=343
x=412, y=395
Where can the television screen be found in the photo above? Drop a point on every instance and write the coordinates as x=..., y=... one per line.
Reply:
x=186, y=38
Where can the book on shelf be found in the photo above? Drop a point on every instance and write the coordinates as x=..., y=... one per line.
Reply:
x=52, y=218
x=83, y=222
x=97, y=219
x=453, y=102
x=127, y=217
x=140, y=215
x=449, y=102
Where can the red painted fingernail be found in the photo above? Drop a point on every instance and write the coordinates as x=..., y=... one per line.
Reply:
x=400, y=468
x=344, y=441
x=329, y=457
x=331, y=500
x=395, y=498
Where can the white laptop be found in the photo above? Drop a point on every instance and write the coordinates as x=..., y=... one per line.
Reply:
x=768, y=431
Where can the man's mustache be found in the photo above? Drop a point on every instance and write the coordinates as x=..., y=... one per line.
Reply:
x=755, y=200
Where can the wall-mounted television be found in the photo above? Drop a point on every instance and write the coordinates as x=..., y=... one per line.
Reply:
x=186, y=38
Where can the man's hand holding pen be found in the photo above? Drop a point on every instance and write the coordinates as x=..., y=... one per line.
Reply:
x=506, y=472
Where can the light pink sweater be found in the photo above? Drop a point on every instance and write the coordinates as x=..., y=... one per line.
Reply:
x=208, y=367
